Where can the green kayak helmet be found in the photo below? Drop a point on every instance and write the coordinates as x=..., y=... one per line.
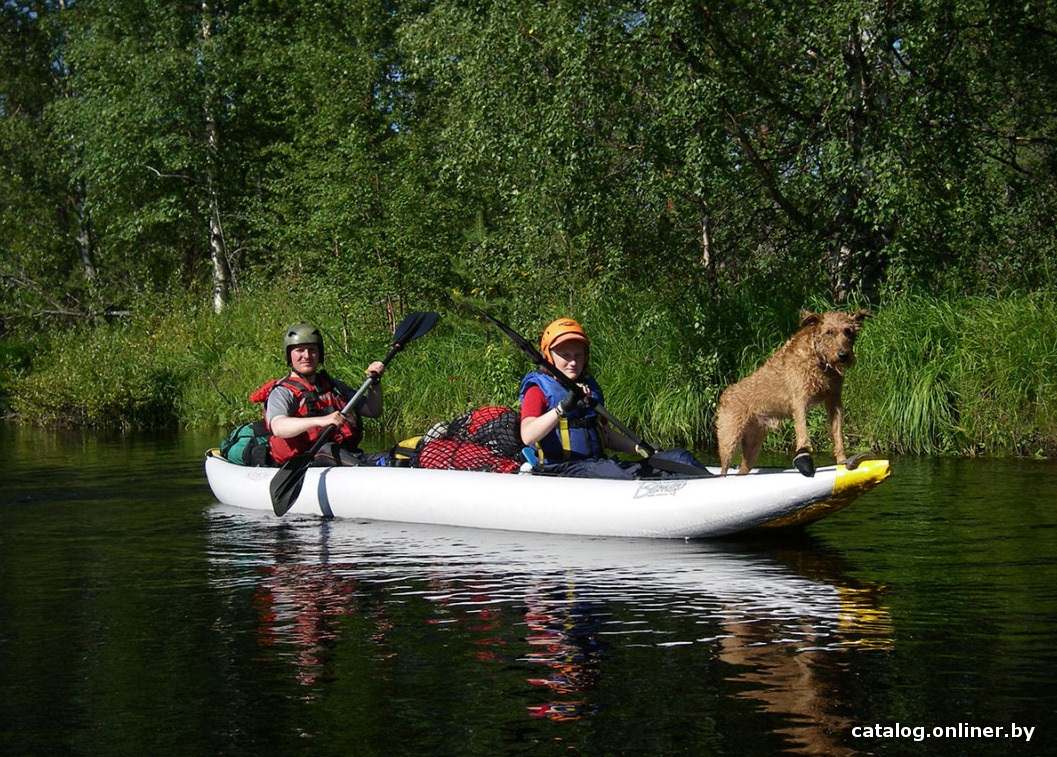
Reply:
x=302, y=333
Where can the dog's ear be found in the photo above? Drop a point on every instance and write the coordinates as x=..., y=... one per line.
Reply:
x=860, y=315
x=807, y=318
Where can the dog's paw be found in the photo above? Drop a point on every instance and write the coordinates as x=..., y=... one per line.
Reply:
x=803, y=463
x=853, y=462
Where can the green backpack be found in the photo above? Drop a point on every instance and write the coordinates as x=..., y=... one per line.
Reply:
x=248, y=445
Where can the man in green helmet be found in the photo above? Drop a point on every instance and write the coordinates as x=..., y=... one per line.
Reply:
x=308, y=400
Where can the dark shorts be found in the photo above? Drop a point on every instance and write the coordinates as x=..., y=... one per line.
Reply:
x=604, y=467
x=332, y=454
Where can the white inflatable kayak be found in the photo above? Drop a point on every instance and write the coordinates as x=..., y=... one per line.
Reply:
x=681, y=508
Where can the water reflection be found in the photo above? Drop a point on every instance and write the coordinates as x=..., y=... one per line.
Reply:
x=559, y=608
x=137, y=615
x=564, y=640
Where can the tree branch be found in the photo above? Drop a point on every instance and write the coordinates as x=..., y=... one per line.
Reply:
x=766, y=175
x=161, y=175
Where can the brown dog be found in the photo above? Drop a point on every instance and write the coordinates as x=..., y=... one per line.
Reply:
x=806, y=370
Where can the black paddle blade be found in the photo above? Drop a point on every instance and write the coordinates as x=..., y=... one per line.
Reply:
x=658, y=462
x=531, y=352
x=286, y=483
x=414, y=325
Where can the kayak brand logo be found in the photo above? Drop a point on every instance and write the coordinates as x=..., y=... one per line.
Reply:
x=658, y=489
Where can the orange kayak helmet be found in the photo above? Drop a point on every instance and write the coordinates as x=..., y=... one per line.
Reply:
x=563, y=330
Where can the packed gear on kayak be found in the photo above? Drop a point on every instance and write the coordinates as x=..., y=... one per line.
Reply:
x=486, y=439
x=404, y=454
x=300, y=334
x=248, y=445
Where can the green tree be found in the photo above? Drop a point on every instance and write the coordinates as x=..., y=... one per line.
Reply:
x=348, y=196
x=46, y=256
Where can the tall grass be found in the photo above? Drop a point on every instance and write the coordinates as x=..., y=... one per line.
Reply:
x=968, y=376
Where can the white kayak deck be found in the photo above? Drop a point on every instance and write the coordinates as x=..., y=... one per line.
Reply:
x=677, y=508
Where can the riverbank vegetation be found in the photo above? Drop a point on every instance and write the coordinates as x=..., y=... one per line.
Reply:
x=964, y=376
x=178, y=183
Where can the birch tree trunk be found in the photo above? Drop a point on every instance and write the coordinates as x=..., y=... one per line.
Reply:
x=217, y=252
x=85, y=239
x=708, y=260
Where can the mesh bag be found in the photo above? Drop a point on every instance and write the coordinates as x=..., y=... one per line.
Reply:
x=485, y=439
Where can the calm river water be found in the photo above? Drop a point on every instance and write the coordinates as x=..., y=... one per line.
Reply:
x=137, y=615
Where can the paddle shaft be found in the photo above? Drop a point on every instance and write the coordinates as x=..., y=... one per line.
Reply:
x=353, y=402
x=642, y=447
x=287, y=481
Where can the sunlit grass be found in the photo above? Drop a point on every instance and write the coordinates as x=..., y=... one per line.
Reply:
x=969, y=376
x=973, y=376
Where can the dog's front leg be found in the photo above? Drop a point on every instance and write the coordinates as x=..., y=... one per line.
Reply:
x=803, y=441
x=835, y=410
x=802, y=460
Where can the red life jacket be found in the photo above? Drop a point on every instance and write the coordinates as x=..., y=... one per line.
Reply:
x=323, y=398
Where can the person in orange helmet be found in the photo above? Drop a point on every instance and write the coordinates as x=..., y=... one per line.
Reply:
x=568, y=432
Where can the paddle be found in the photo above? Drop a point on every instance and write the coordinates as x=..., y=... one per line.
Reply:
x=645, y=449
x=287, y=481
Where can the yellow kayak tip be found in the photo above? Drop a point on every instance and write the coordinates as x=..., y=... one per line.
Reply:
x=847, y=486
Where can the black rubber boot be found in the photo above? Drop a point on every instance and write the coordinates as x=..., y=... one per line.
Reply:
x=803, y=462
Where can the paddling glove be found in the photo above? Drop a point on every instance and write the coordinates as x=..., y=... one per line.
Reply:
x=568, y=403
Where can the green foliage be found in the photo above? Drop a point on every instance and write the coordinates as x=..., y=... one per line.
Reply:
x=682, y=176
x=14, y=362
x=405, y=148
x=966, y=376
x=971, y=375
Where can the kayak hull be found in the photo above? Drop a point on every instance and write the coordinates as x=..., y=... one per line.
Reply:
x=678, y=508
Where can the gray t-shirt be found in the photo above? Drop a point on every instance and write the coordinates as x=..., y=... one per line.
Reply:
x=281, y=400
